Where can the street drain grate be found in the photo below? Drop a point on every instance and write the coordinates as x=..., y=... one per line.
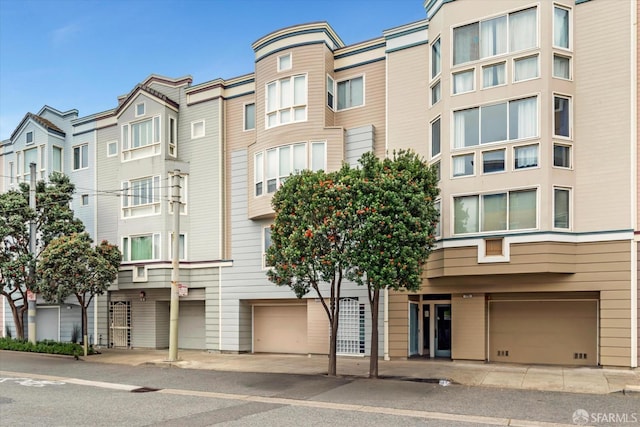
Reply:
x=442, y=382
x=144, y=390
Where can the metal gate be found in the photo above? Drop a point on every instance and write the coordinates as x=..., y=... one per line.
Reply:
x=350, y=337
x=120, y=321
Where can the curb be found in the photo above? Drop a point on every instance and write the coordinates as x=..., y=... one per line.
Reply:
x=631, y=389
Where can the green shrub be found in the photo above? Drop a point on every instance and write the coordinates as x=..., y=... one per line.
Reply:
x=45, y=346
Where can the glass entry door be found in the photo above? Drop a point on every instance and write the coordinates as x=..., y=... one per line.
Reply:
x=414, y=328
x=443, y=330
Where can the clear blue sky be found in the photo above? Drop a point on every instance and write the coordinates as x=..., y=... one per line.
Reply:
x=83, y=54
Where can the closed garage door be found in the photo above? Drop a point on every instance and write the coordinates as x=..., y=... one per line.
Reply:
x=47, y=323
x=280, y=329
x=547, y=332
x=191, y=325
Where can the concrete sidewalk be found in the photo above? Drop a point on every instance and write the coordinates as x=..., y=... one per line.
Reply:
x=524, y=377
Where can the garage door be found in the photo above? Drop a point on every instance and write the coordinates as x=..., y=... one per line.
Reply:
x=280, y=329
x=47, y=323
x=547, y=332
x=191, y=325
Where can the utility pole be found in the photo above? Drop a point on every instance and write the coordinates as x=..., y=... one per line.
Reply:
x=31, y=297
x=175, y=270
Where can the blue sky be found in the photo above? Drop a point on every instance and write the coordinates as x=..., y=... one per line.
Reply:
x=83, y=54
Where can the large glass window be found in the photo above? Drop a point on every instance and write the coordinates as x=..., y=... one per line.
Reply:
x=523, y=118
x=466, y=127
x=523, y=30
x=493, y=37
x=350, y=93
x=465, y=214
x=276, y=164
x=435, y=137
x=560, y=27
x=57, y=159
x=493, y=123
x=525, y=68
x=286, y=101
x=258, y=173
x=522, y=209
x=494, y=212
x=81, y=157
x=513, y=210
x=561, y=202
x=561, y=116
x=465, y=44
x=30, y=156
x=144, y=247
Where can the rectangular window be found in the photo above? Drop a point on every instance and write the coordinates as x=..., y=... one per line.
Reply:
x=197, y=129
x=493, y=123
x=493, y=161
x=437, y=170
x=350, y=93
x=560, y=27
x=561, y=200
x=29, y=138
x=141, y=248
x=284, y=62
x=435, y=93
x=525, y=156
x=493, y=37
x=286, y=101
x=330, y=91
x=249, y=116
x=438, y=229
x=57, y=159
x=141, y=192
x=85, y=200
x=436, y=64
x=463, y=81
x=463, y=165
x=30, y=156
x=465, y=44
x=561, y=116
x=466, y=124
x=12, y=173
x=435, y=137
x=173, y=137
x=266, y=243
x=561, y=67
x=141, y=134
x=112, y=148
x=140, y=109
x=317, y=156
x=181, y=247
x=81, y=157
x=523, y=30
x=523, y=118
x=513, y=210
x=562, y=156
x=125, y=137
x=257, y=172
x=525, y=68
x=272, y=170
x=493, y=75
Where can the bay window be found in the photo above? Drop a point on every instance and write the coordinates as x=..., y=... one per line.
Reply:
x=493, y=75
x=511, y=210
x=57, y=159
x=145, y=247
x=258, y=174
x=436, y=64
x=286, y=101
x=276, y=164
x=141, y=196
x=81, y=157
x=525, y=68
x=463, y=81
x=30, y=156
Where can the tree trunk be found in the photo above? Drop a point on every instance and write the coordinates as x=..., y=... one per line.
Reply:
x=373, y=358
x=84, y=330
x=17, y=312
x=333, y=360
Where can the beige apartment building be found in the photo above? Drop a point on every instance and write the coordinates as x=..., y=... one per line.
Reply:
x=530, y=111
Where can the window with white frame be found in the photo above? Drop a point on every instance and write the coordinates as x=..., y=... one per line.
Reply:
x=463, y=165
x=29, y=138
x=141, y=196
x=437, y=169
x=140, y=109
x=463, y=81
x=493, y=75
x=142, y=247
x=436, y=61
x=493, y=161
x=435, y=137
x=435, y=93
x=560, y=27
x=56, y=165
x=562, y=67
x=525, y=156
x=525, y=68
x=284, y=62
x=276, y=164
x=18, y=165
x=350, y=93
x=249, y=116
x=81, y=157
x=182, y=255
x=507, y=33
x=561, y=116
x=43, y=158
x=561, y=206
x=510, y=210
x=266, y=243
x=330, y=91
x=173, y=137
x=437, y=232
x=85, y=200
x=562, y=156
x=30, y=156
x=286, y=101
x=510, y=120
x=112, y=148
x=138, y=136
x=197, y=129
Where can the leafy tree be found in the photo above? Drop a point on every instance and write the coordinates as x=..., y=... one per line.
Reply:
x=394, y=221
x=53, y=217
x=70, y=265
x=310, y=241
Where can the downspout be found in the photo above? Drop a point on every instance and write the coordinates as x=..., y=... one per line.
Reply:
x=386, y=324
x=633, y=110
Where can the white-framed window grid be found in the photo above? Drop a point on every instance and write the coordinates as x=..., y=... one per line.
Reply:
x=57, y=159
x=331, y=90
x=562, y=27
x=526, y=156
x=526, y=68
x=463, y=81
x=494, y=74
x=141, y=138
x=29, y=138
x=494, y=161
x=463, y=165
x=80, y=157
x=286, y=101
x=141, y=196
x=30, y=155
x=172, y=133
x=112, y=148
x=198, y=129
x=285, y=62
x=182, y=246
x=141, y=247
x=562, y=66
x=562, y=207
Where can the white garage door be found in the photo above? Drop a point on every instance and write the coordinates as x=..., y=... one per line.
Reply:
x=280, y=329
x=47, y=323
x=191, y=325
x=548, y=332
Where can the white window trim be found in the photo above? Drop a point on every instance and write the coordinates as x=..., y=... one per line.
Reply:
x=126, y=134
x=513, y=68
x=12, y=173
x=26, y=138
x=204, y=133
x=291, y=108
x=553, y=120
x=432, y=157
x=280, y=57
x=331, y=89
x=134, y=273
x=364, y=91
x=154, y=207
x=553, y=207
x=491, y=65
x=437, y=232
x=563, y=55
x=144, y=109
x=513, y=154
x=155, y=238
x=172, y=130
x=82, y=198
x=475, y=165
x=564, y=144
x=473, y=80
x=110, y=143
x=244, y=117
x=439, y=73
x=73, y=154
x=506, y=162
x=553, y=22
x=433, y=85
x=170, y=249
